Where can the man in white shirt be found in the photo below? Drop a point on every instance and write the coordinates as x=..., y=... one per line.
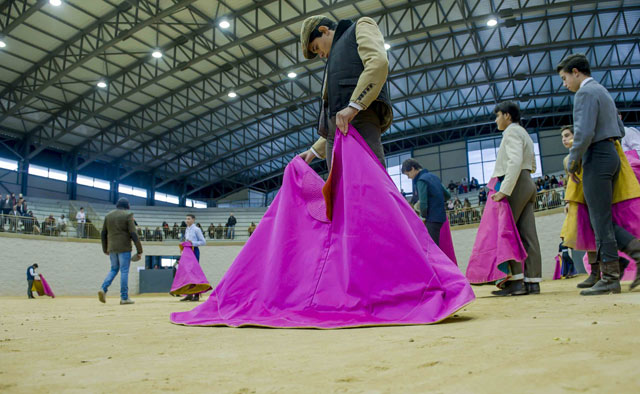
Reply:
x=514, y=165
x=81, y=218
x=194, y=235
x=31, y=276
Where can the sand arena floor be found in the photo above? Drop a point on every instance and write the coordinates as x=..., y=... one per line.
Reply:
x=554, y=342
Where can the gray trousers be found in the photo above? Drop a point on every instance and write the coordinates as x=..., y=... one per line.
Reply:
x=29, y=287
x=601, y=166
x=368, y=124
x=522, y=201
x=434, y=231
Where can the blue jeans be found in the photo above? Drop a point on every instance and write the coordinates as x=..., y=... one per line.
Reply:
x=121, y=262
x=231, y=232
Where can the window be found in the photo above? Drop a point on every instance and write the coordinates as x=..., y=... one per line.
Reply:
x=7, y=164
x=93, y=182
x=196, y=204
x=47, y=172
x=132, y=191
x=256, y=198
x=394, y=168
x=168, y=198
x=482, y=156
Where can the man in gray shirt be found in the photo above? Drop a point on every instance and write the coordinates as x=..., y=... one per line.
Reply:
x=117, y=233
x=596, y=129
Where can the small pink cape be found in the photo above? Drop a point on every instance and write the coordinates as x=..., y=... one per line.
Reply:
x=190, y=279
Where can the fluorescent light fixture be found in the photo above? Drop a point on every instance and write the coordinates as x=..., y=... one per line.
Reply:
x=224, y=24
x=386, y=46
x=292, y=75
x=2, y=43
x=102, y=84
x=157, y=54
x=492, y=22
x=232, y=94
x=55, y=3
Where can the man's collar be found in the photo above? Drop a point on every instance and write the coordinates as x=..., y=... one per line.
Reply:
x=585, y=82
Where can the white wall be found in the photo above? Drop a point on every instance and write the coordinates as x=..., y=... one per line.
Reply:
x=78, y=267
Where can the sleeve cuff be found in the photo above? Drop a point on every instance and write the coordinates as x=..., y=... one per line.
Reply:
x=355, y=105
x=315, y=153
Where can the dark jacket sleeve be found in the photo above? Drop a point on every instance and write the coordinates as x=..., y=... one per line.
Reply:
x=103, y=236
x=134, y=234
x=423, y=193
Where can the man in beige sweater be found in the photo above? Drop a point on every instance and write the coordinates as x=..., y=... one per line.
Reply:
x=515, y=162
x=354, y=88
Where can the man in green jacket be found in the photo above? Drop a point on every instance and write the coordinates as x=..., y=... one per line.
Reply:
x=117, y=233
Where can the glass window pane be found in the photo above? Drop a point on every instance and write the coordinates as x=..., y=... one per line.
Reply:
x=101, y=184
x=139, y=192
x=475, y=156
x=38, y=171
x=173, y=199
x=10, y=165
x=57, y=175
x=84, y=180
x=475, y=170
x=406, y=184
x=488, y=168
x=199, y=204
x=489, y=154
x=538, y=172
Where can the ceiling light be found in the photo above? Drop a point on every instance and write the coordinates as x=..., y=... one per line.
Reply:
x=292, y=75
x=2, y=43
x=102, y=84
x=55, y=3
x=157, y=54
x=492, y=22
x=386, y=46
x=224, y=24
x=232, y=94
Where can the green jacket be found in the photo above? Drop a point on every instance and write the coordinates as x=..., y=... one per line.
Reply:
x=118, y=232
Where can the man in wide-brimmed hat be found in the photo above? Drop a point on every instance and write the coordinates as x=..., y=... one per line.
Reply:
x=354, y=90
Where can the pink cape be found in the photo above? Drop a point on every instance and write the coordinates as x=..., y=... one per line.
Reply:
x=190, y=278
x=626, y=214
x=497, y=241
x=42, y=287
x=446, y=242
x=557, y=274
x=361, y=258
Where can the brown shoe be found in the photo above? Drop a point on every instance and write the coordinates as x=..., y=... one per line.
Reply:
x=102, y=297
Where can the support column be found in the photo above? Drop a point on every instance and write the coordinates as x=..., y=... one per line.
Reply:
x=23, y=166
x=72, y=183
x=151, y=201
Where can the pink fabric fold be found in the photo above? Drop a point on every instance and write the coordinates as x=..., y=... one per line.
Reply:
x=497, y=241
x=189, y=279
x=446, y=242
x=557, y=273
x=372, y=263
x=629, y=273
x=46, y=287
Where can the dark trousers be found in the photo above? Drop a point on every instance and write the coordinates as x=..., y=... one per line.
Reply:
x=368, y=124
x=522, y=201
x=29, y=287
x=434, y=231
x=568, y=267
x=196, y=251
x=601, y=166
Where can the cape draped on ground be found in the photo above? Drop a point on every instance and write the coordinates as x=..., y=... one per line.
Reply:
x=346, y=253
x=497, y=241
x=189, y=279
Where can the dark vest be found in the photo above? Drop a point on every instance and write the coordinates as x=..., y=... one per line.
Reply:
x=435, y=199
x=29, y=276
x=344, y=67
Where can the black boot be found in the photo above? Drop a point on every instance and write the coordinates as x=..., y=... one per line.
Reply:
x=533, y=287
x=196, y=297
x=511, y=288
x=610, y=282
x=593, y=278
x=187, y=298
x=624, y=263
x=633, y=251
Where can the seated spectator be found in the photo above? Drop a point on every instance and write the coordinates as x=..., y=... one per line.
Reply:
x=465, y=184
x=148, y=235
x=157, y=235
x=165, y=229
x=175, y=230
x=211, y=231
x=450, y=205
x=62, y=224
x=482, y=196
x=251, y=228
x=49, y=225
x=452, y=186
x=457, y=204
x=219, y=231
x=461, y=189
x=474, y=184
x=561, y=181
x=553, y=182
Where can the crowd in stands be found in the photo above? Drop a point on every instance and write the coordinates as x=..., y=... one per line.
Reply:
x=176, y=231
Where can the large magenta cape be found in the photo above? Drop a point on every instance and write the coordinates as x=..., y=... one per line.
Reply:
x=626, y=214
x=497, y=241
x=361, y=258
x=189, y=279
